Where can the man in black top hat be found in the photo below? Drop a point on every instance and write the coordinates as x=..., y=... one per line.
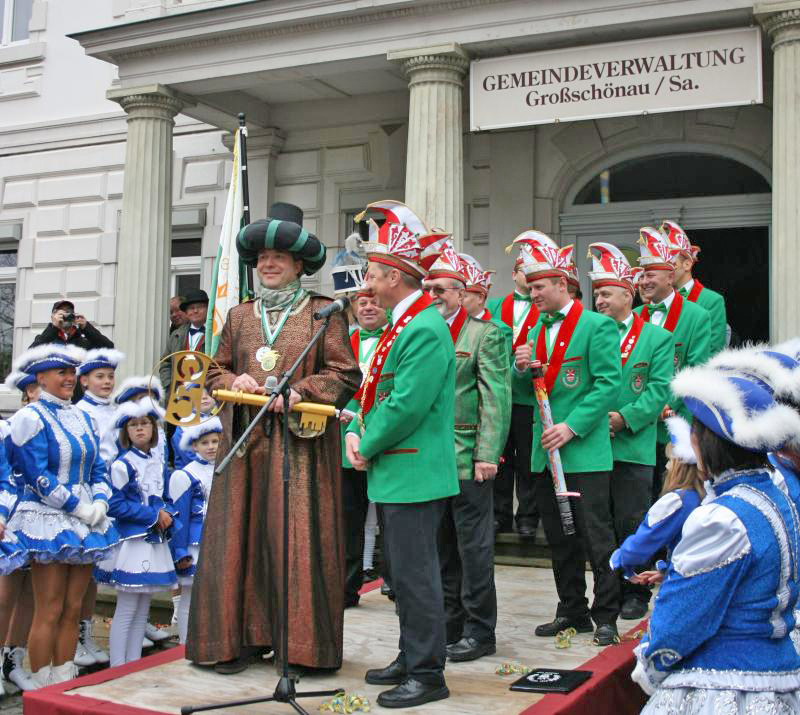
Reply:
x=190, y=335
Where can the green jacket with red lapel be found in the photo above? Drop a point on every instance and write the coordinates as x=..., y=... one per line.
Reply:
x=521, y=386
x=584, y=392
x=644, y=392
x=408, y=434
x=483, y=395
x=691, y=339
x=714, y=303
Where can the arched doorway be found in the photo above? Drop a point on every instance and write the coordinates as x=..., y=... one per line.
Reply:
x=722, y=203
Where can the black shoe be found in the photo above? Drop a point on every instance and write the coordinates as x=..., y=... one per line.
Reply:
x=561, y=623
x=351, y=601
x=386, y=590
x=237, y=665
x=527, y=527
x=392, y=674
x=370, y=575
x=504, y=527
x=633, y=609
x=410, y=693
x=469, y=649
x=606, y=634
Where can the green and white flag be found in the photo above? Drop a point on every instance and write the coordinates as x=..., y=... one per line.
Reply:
x=228, y=282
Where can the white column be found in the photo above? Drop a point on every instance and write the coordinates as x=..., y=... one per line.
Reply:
x=435, y=154
x=781, y=20
x=141, y=308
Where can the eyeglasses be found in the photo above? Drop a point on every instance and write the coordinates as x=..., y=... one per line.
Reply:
x=438, y=290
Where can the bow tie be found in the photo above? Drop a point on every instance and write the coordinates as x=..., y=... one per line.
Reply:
x=366, y=334
x=657, y=308
x=550, y=319
x=193, y=330
x=683, y=291
x=524, y=298
x=622, y=327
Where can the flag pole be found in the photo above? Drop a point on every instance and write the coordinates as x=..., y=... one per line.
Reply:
x=245, y=191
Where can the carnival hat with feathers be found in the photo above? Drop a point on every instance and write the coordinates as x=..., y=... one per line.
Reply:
x=655, y=252
x=449, y=265
x=404, y=241
x=636, y=275
x=790, y=347
x=680, y=436
x=737, y=409
x=349, y=266
x=19, y=380
x=191, y=434
x=48, y=357
x=134, y=410
x=101, y=357
x=542, y=260
x=677, y=239
x=773, y=370
x=478, y=280
x=610, y=267
x=134, y=386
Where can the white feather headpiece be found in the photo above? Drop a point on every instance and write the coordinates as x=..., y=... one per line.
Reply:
x=191, y=434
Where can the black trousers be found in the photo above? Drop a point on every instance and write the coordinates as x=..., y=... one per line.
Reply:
x=354, y=505
x=466, y=552
x=411, y=543
x=661, y=468
x=516, y=469
x=594, y=538
x=631, y=490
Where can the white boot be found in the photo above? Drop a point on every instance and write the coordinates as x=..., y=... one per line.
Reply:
x=83, y=656
x=175, y=601
x=64, y=672
x=14, y=671
x=98, y=654
x=155, y=634
x=42, y=677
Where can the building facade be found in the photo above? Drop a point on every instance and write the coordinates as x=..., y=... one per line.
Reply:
x=115, y=137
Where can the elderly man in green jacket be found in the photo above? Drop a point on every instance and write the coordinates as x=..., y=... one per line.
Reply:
x=404, y=437
x=580, y=352
x=647, y=355
x=482, y=418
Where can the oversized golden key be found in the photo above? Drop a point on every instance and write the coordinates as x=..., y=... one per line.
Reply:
x=189, y=372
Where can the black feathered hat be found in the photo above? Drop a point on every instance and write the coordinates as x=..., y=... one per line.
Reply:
x=282, y=230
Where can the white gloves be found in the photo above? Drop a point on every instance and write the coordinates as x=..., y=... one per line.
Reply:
x=91, y=514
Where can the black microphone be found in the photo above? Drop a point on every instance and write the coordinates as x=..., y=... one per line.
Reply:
x=336, y=307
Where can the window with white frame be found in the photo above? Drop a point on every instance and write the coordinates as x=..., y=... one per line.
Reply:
x=9, y=242
x=186, y=259
x=15, y=16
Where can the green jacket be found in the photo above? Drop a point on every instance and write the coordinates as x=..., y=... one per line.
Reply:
x=521, y=386
x=408, y=434
x=714, y=303
x=691, y=340
x=583, y=394
x=483, y=395
x=644, y=392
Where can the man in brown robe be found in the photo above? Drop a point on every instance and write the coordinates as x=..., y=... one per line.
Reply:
x=237, y=594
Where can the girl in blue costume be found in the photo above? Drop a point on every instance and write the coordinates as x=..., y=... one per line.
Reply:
x=189, y=489
x=181, y=456
x=719, y=637
x=143, y=563
x=61, y=516
x=661, y=527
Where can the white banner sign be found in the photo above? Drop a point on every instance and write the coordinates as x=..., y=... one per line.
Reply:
x=658, y=74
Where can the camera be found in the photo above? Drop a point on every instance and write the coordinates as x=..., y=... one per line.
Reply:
x=69, y=317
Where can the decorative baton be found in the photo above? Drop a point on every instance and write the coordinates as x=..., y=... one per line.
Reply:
x=553, y=455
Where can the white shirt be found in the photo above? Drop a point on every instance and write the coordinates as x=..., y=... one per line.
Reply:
x=688, y=286
x=194, y=338
x=623, y=334
x=658, y=318
x=452, y=318
x=552, y=331
x=521, y=308
x=399, y=310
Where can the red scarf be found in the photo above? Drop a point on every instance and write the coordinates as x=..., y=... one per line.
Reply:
x=507, y=316
x=486, y=315
x=355, y=343
x=366, y=393
x=458, y=323
x=561, y=344
x=631, y=338
x=200, y=343
x=672, y=316
x=694, y=293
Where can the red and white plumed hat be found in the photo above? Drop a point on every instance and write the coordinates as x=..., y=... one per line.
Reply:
x=572, y=274
x=655, y=252
x=448, y=264
x=478, y=280
x=636, y=275
x=404, y=241
x=541, y=260
x=677, y=239
x=609, y=267
x=531, y=238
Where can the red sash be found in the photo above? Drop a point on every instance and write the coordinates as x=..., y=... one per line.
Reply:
x=673, y=314
x=458, y=323
x=694, y=293
x=366, y=393
x=631, y=338
x=355, y=342
x=507, y=316
x=561, y=344
x=486, y=315
x=199, y=344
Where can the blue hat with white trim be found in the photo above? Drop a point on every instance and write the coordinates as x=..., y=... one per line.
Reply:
x=191, y=434
x=769, y=368
x=19, y=380
x=102, y=357
x=49, y=357
x=134, y=410
x=737, y=409
x=135, y=386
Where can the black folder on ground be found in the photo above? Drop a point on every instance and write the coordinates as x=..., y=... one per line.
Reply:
x=551, y=680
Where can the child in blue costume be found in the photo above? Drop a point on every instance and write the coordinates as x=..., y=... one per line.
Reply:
x=189, y=489
x=181, y=456
x=143, y=563
x=61, y=516
x=661, y=528
x=719, y=637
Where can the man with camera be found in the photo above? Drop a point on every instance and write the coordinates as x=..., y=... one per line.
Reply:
x=68, y=328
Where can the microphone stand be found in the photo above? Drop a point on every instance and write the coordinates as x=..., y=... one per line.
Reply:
x=285, y=691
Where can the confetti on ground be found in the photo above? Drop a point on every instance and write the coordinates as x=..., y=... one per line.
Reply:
x=635, y=636
x=564, y=638
x=344, y=703
x=512, y=669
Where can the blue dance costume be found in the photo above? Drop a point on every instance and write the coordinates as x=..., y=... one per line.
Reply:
x=189, y=489
x=12, y=553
